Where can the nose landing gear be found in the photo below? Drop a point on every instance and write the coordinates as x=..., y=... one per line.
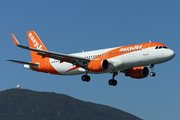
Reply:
x=152, y=68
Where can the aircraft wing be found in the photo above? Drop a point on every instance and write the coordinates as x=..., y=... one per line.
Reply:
x=59, y=56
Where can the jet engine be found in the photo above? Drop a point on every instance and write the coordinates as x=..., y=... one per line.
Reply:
x=138, y=72
x=98, y=65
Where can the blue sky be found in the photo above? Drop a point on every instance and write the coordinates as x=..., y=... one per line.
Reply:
x=73, y=26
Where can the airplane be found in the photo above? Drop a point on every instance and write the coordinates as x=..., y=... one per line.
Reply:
x=132, y=60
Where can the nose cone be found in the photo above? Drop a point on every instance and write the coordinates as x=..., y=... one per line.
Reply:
x=170, y=54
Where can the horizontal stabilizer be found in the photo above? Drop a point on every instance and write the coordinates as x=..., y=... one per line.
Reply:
x=21, y=62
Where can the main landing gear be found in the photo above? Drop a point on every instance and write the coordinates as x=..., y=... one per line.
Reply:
x=86, y=77
x=152, y=73
x=112, y=81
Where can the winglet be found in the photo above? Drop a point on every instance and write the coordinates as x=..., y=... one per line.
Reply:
x=15, y=40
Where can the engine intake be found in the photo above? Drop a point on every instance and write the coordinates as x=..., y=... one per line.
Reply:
x=138, y=72
x=98, y=65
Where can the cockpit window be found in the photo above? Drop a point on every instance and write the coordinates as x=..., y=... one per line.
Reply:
x=165, y=47
x=160, y=47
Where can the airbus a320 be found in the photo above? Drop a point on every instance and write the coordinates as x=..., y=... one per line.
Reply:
x=132, y=60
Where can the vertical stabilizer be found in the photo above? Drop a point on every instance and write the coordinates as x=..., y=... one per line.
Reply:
x=35, y=42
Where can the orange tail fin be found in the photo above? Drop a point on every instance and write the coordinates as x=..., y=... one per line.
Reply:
x=35, y=42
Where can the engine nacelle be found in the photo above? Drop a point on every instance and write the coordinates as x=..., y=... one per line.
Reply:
x=98, y=65
x=138, y=72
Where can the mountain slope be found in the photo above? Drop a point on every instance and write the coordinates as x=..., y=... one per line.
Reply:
x=21, y=104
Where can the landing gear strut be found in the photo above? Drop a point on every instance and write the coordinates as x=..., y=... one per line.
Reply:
x=86, y=77
x=152, y=73
x=113, y=81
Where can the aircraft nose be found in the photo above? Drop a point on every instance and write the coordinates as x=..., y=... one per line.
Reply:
x=170, y=54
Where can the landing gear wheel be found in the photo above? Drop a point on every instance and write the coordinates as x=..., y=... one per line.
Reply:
x=112, y=82
x=85, y=78
x=153, y=74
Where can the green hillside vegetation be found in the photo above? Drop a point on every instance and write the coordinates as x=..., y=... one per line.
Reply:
x=21, y=104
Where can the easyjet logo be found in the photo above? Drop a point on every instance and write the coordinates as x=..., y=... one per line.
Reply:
x=35, y=43
x=136, y=47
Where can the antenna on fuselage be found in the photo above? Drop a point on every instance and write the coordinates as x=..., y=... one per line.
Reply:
x=149, y=41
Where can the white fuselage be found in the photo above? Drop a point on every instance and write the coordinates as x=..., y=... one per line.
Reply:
x=141, y=57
